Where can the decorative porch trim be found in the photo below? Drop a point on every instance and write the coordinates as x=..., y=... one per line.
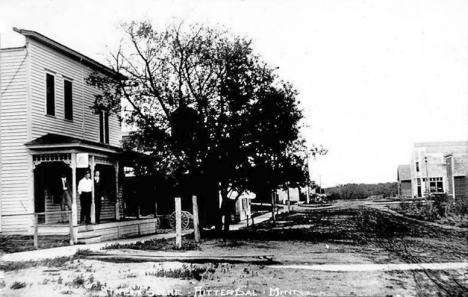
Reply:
x=38, y=159
x=105, y=161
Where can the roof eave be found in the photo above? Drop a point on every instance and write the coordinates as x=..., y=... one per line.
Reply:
x=69, y=52
x=73, y=145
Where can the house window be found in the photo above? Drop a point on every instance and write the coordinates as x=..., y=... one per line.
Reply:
x=436, y=184
x=68, y=99
x=417, y=166
x=104, y=127
x=50, y=94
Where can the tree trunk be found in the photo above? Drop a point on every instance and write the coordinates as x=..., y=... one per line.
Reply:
x=273, y=206
x=207, y=191
x=227, y=214
x=219, y=221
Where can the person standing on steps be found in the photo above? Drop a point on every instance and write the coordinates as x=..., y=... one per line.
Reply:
x=85, y=188
x=99, y=194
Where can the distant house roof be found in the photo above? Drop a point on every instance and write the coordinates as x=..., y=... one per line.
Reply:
x=404, y=172
x=441, y=143
x=60, y=141
x=69, y=52
x=460, y=164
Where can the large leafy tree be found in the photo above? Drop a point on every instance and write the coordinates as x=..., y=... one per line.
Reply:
x=200, y=101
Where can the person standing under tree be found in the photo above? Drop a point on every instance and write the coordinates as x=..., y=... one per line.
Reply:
x=99, y=194
x=85, y=188
x=66, y=198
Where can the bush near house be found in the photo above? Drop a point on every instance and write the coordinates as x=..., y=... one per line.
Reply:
x=439, y=208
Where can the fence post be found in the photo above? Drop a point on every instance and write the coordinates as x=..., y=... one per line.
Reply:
x=70, y=221
x=36, y=244
x=178, y=223
x=196, y=223
x=273, y=215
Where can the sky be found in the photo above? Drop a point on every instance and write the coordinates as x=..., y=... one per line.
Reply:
x=374, y=76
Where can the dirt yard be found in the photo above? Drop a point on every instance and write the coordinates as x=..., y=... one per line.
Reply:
x=344, y=242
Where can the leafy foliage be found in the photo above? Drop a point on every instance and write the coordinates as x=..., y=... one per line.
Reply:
x=362, y=191
x=440, y=208
x=201, y=102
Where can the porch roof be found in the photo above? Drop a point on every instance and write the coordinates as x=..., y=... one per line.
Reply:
x=50, y=140
x=404, y=172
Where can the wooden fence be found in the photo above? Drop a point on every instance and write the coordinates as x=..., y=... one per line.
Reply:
x=36, y=223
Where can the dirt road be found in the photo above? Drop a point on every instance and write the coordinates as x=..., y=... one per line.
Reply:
x=349, y=235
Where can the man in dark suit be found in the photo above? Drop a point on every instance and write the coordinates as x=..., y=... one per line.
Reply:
x=66, y=198
x=99, y=193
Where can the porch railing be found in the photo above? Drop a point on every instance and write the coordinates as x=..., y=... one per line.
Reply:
x=36, y=223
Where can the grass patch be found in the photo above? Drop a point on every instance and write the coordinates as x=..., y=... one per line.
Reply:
x=155, y=245
x=18, y=285
x=186, y=272
x=78, y=281
x=54, y=262
x=22, y=243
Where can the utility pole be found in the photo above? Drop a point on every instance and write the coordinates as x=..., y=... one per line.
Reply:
x=308, y=179
x=427, y=177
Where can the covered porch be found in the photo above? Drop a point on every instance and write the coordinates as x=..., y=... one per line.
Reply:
x=106, y=230
x=54, y=156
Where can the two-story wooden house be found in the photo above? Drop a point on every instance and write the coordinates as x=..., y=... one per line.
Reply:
x=47, y=128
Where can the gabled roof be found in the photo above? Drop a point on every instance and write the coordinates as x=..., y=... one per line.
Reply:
x=460, y=162
x=69, y=52
x=404, y=172
x=50, y=140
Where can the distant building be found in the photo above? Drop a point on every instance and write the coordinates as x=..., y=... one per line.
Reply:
x=438, y=167
x=404, y=180
x=456, y=174
x=294, y=195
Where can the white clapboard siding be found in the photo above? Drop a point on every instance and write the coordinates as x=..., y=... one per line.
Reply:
x=13, y=134
x=85, y=124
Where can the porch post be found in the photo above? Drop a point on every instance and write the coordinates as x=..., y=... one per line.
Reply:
x=74, y=204
x=32, y=202
x=93, y=206
x=117, y=200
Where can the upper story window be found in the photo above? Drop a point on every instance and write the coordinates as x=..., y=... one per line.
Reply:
x=104, y=127
x=417, y=166
x=50, y=94
x=68, y=99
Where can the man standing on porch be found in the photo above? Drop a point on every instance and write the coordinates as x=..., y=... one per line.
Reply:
x=85, y=189
x=98, y=194
x=66, y=197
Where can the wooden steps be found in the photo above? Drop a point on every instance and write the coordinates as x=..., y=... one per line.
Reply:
x=88, y=236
